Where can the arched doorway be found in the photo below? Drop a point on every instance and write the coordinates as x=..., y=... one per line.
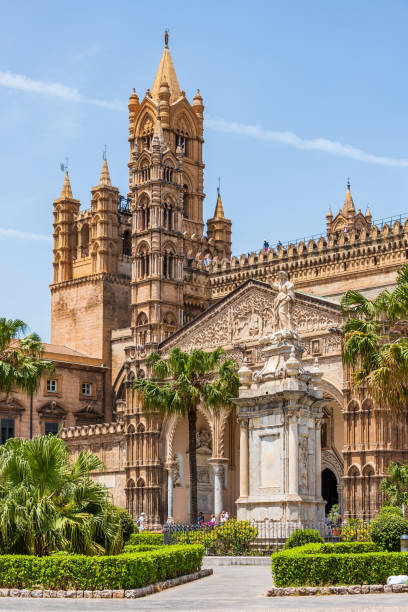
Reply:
x=329, y=489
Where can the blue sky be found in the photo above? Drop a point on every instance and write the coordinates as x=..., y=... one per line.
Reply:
x=299, y=96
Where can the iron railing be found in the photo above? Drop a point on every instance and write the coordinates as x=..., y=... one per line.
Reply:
x=260, y=538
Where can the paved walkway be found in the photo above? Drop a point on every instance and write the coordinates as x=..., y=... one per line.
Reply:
x=237, y=588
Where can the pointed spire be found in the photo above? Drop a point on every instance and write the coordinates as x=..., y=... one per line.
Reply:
x=166, y=72
x=330, y=214
x=158, y=133
x=348, y=206
x=219, y=211
x=105, y=176
x=66, y=188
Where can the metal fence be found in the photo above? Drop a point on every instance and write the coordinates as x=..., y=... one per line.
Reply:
x=260, y=538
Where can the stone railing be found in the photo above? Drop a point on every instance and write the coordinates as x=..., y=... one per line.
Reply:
x=99, y=429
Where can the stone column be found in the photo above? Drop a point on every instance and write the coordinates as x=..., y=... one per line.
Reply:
x=243, y=459
x=219, y=474
x=293, y=455
x=318, y=458
x=169, y=469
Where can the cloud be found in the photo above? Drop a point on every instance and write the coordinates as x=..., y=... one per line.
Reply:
x=11, y=233
x=56, y=90
x=314, y=144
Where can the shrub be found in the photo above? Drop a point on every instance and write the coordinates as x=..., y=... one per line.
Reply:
x=126, y=521
x=337, y=548
x=292, y=569
x=125, y=571
x=355, y=530
x=130, y=548
x=146, y=537
x=230, y=538
x=387, y=529
x=303, y=536
x=386, y=510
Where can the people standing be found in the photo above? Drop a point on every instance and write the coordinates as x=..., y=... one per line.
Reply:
x=140, y=521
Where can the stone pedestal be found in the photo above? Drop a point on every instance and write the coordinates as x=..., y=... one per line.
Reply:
x=279, y=411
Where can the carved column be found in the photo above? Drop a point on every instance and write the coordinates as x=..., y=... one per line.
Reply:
x=169, y=468
x=318, y=458
x=219, y=474
x=243, y=459
x=293, y=455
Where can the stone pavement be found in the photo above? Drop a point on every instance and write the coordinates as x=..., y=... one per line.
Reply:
x=237, y=588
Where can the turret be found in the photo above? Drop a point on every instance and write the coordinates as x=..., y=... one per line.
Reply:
x=219, y=229
x=65, y=210
x=105, y=236
x=329, y=221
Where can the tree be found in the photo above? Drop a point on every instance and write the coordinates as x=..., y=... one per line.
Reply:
x=181, y=383
x=50, y=503
x=21, y=365
x=375, y=346
x=395, y=485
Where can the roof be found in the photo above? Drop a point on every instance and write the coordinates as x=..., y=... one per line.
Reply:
x=166, y=72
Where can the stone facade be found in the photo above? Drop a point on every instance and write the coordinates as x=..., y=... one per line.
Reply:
x=137, y=273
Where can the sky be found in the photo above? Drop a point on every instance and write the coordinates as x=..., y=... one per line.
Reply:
x=298, y=96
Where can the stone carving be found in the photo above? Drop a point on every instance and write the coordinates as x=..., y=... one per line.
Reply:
x=283, y=303
x=303, y=460
x=203, y=476
x=176, y=474
x=203, y=441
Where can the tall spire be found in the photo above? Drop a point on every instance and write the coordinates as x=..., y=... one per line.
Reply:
x=105, y=176
x=219, y=211
x=348, y=206
x=166, y=72
x=66, y=188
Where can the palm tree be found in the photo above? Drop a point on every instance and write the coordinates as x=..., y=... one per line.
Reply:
x=395, y=485
x=49, y=503
x=375, y=346
x=21, y=365
x=181, y=384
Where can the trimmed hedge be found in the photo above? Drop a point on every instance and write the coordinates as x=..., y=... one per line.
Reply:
x=130, y=548
x=387, y=529
x=126, y=571
x=303, y=536
x=146, y=537
x=339, y=548
x=290, y=569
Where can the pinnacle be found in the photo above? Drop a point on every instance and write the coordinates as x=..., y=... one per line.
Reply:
x=66, y=188
x=105, y=177
x=167, y=73
x=348, y=202
x=219, y=211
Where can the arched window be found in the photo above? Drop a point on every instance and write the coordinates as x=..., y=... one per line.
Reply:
x=169, y=265
x=144, y=214
x=186, y=203
x=127, y=243
x=141, y=328
x=130, y=498
x=168, y=174
x=85, y=240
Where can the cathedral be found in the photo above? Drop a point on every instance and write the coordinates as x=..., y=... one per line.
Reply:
x=143, y=272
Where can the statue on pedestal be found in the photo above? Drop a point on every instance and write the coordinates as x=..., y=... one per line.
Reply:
x=284, y=302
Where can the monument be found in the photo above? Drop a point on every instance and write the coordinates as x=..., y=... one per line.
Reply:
x=280, y=412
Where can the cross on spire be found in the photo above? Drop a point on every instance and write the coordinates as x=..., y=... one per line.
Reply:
x=166, y=38
x=219, y=185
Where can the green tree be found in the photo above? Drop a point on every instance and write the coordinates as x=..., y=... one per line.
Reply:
x=395, y=485
x=50, y=503
x=375, y=346
x=183, y=382
x=21, y=363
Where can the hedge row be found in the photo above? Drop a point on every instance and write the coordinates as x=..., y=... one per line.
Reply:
x=338, y=548
x=126, y=571
x=145, y=537
x=130, y=548
x=291, y=569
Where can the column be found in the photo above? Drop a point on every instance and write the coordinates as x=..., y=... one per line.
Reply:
x=169, y=493
x=318, y=458
x=293, y=456
x=218, y=487
x=243, y=459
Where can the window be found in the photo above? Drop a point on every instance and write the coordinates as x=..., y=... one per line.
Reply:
x=87, y=389
x=6, y=429
x=51, y=428
x=52, y=385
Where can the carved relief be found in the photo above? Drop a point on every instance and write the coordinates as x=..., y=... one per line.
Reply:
x=203, y=441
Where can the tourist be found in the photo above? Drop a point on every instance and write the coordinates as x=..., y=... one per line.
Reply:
x=200, y=518
x=140, y=521
x=207, y=260
x=212, y=520
x=223, y=517
x=278, y=244
x=266, y=246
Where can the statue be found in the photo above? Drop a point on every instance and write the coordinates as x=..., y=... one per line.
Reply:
x=283, y=303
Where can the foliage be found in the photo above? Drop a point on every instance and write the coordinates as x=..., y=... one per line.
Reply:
x=127, y=524
x=337, y=548
x=181, y=383
x=21, y=363
x=303, y=536
x=230, y=538
x=130, y=548
x=385, y=510
x=125, y=571
x=395, y=484
x=376, y=342
x=289, y=568
x=387, y=529
x=356, y=530
x=146, y=537
x=335, y=517
x=49, y=503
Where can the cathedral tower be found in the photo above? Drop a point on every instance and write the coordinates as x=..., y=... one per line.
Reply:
x=219, y=229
